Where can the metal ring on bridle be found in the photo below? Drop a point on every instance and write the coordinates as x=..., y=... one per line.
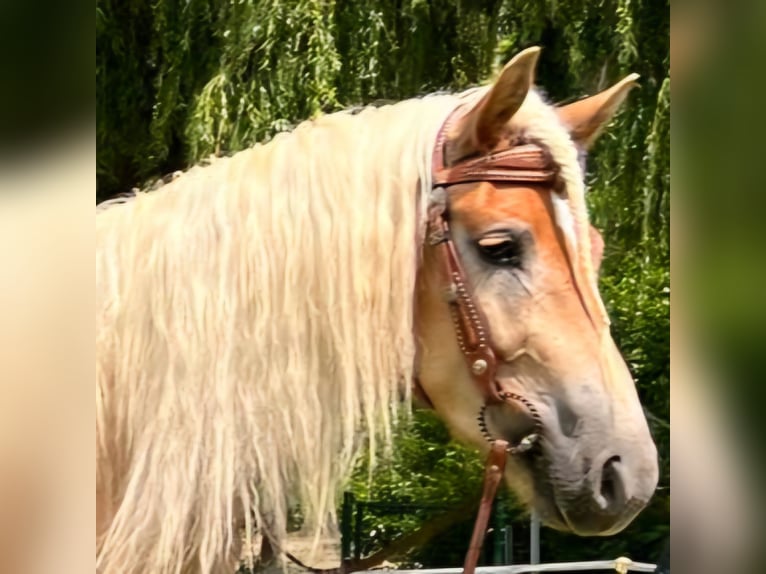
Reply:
x=528, y=441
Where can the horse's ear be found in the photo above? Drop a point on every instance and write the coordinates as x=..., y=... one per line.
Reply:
x=483, y=126
x=587, y=117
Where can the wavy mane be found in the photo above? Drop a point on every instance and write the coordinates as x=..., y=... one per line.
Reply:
x=256, y=321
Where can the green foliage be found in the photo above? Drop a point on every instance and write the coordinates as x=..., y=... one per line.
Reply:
x=426, y=468
x=179, y=80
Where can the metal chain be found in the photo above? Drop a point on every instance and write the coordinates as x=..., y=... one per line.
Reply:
x=528, y=441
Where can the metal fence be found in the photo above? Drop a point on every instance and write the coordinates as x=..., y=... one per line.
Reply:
x=621, y=565
x=502, y=538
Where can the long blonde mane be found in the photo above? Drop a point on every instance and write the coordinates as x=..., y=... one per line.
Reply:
x=255, y=329
x=256, y=321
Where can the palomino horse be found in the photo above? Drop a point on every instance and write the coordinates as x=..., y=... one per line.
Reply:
x=261, y=320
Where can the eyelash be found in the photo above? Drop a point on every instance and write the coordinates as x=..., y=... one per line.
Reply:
x=505, y=251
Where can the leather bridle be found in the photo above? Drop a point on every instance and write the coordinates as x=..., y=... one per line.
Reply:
x=513, y=160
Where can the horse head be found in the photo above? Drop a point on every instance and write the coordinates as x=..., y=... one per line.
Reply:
x=530, y=260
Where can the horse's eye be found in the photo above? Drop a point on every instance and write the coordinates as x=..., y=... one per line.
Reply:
x=500, y=249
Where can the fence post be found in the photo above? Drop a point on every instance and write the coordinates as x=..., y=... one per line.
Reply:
x=534, y=538
x=508, y=555
x=345, y=526
x=359, y=515
x=497, y=535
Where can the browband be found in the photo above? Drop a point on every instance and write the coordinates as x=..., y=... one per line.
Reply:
x=511, y=161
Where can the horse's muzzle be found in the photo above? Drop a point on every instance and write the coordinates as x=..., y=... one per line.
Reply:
x=599, y=495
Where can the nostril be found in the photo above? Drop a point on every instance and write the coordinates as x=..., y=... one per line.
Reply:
x=611, y=488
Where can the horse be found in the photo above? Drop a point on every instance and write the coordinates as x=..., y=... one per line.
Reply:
x=263, y=320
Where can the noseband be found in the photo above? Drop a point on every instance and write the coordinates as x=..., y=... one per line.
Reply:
x=511, y=161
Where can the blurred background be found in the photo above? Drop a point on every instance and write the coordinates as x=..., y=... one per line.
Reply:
x=179, y=81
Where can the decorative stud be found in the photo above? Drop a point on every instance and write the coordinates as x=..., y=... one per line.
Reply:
x=479, y=366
